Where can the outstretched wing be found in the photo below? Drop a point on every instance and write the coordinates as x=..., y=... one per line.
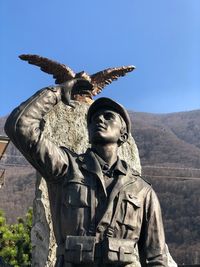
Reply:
x=105, y=77
x=61, y=73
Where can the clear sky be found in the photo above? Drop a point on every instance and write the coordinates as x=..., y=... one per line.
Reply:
x=160, y=37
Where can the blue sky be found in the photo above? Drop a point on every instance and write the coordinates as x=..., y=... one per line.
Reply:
x=160, y=37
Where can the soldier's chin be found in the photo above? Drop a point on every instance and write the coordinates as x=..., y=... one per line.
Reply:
x=97, y=139
x=101, y=141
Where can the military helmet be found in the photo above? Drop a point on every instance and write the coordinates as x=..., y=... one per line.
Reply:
x=110, y=104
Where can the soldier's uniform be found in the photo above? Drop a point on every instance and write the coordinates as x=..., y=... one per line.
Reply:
x=113, y=212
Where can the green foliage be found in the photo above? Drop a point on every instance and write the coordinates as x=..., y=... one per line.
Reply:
x=15, y=243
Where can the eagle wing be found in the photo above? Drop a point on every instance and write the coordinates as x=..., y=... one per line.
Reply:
x=105, y=77
x=61, y=73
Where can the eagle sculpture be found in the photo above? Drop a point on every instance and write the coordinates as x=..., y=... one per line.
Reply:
x=62, y=73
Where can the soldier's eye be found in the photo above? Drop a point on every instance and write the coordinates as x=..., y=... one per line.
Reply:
x=109, y=116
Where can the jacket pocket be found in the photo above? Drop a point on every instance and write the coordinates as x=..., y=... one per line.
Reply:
x=119, y=251
x=77, y=195
x=130, y=210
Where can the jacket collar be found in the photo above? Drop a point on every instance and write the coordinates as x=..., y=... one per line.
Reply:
x=89, y=162
x=120, y=167
x=95, y=164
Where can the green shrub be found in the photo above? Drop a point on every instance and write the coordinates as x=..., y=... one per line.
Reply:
x=15, y=240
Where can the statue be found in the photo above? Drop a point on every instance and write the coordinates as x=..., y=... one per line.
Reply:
x=103, y=212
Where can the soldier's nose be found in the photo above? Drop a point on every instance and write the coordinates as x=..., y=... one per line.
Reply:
x=100, y=118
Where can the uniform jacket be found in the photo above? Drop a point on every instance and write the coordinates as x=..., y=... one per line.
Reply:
x=75, y=181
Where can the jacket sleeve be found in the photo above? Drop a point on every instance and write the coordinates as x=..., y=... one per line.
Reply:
x=25, y=126
x=152, y=245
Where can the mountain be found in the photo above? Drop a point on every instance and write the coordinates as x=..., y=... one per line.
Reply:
x=17, y=192
x=169, y=147
x=168, y=139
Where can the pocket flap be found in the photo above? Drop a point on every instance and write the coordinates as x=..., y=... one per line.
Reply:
x=86, y=243
x=115, y=244
x=133, y=199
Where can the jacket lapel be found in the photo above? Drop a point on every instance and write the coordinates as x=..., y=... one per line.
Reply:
x=89, y=162
x=122, y=182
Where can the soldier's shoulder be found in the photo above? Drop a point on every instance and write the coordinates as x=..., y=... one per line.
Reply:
x=145, y=181
x=140, y=179
x=69, y=152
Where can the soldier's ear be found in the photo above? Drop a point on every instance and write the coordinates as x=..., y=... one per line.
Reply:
x=123, y=138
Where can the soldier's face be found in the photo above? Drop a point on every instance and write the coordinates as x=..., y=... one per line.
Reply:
x=105, y=127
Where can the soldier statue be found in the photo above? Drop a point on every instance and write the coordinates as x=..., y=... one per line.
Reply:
x=104, y=213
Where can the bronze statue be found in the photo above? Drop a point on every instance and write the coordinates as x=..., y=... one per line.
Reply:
x=103, y=211
x=62, y=73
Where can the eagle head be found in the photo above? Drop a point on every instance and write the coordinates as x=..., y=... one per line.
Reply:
x=83, y=75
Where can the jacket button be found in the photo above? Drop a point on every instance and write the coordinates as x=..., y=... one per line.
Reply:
x=100, y=228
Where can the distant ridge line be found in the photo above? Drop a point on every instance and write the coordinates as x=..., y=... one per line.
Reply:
x=15, y=165
x=171, y=177
x=144, y=166
x=169, y=168
x=13, y=156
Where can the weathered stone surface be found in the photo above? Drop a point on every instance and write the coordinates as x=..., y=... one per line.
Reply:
x=64, y=126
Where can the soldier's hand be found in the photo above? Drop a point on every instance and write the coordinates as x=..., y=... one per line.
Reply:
x=74, y=85
x=66, y=90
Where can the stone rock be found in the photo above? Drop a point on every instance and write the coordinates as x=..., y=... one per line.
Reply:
x=67, y=127
x=170, y=261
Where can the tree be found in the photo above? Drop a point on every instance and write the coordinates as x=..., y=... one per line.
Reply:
x=15, y=241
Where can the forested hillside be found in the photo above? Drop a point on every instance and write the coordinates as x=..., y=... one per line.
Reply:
x=169, y=147
x=168, y=139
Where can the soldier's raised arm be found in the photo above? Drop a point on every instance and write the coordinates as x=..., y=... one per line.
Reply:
x=25, y=126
